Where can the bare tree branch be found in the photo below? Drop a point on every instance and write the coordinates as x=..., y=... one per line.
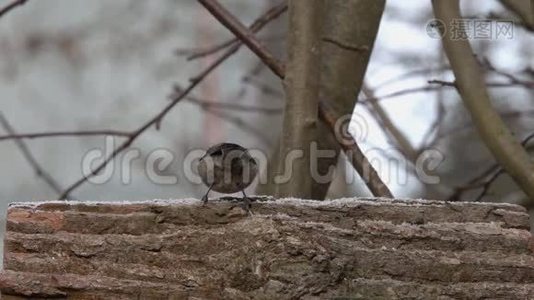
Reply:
x=260, y=134
x=485, y=63
x=517, y=82
x=374, y=182
x=471, y=86
x=357, y=158
x=65, y=134
x=439, y=84
x=434, y=85
x=398, y=138
x=39, y=171
x=4, y=10
x=435, y=128
x=241, y=32
x=512, y=114
x=478, y=181
x=513, y=78
x=233, y=106
x=214, y=109
x=193, y=54
x=156, y=120
x=263, y=88
x=197, y=53
x=412, y=73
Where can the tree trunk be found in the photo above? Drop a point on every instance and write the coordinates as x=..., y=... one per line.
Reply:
x=302, y=99
x=348, y=35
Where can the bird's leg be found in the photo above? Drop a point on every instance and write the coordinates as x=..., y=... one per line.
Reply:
x=246, y=203
x=205, y=198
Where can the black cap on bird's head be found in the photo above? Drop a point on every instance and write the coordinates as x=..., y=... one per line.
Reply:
x=222, y=148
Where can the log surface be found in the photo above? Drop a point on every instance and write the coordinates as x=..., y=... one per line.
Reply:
x=289, y=249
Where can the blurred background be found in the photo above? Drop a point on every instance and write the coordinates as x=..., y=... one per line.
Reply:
x=69, y=65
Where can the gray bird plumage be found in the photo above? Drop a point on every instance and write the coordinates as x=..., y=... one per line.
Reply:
x=227, y=168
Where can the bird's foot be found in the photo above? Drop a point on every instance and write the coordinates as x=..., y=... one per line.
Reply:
x=205, y=200
x=247, y=205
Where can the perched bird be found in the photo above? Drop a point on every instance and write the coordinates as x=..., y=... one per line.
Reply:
x=227, y=168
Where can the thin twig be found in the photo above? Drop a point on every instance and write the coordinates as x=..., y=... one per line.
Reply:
x=156, y=120
x=251, y=78
x=435, y=127
x=197, y=53
x=394, y=134
x=216, y=111
x=10, y=6
x=426, y=88
x=412, y=73
x=262, y=87
x=239, y=123
x=469, y=125
x=516, y=82
x=513, y=79
x=477, y=182
x=234, y=106
x=64, y=134
x=445, y=68
x=438, y=84
x=435, y=85
x=474, y=183
x=244, y=34
x=39, y=171
x=360, y=162
x=442, y=82
x=193, y=54
x=488, y=184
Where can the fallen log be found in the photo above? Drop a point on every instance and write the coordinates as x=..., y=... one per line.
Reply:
x=289, y=249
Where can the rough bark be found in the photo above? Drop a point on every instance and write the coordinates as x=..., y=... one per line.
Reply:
x=357, y=249
x=471, y=85
x=349, y=33
x=302, y=97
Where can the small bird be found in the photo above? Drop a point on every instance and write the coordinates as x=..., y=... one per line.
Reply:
x=227, y=168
